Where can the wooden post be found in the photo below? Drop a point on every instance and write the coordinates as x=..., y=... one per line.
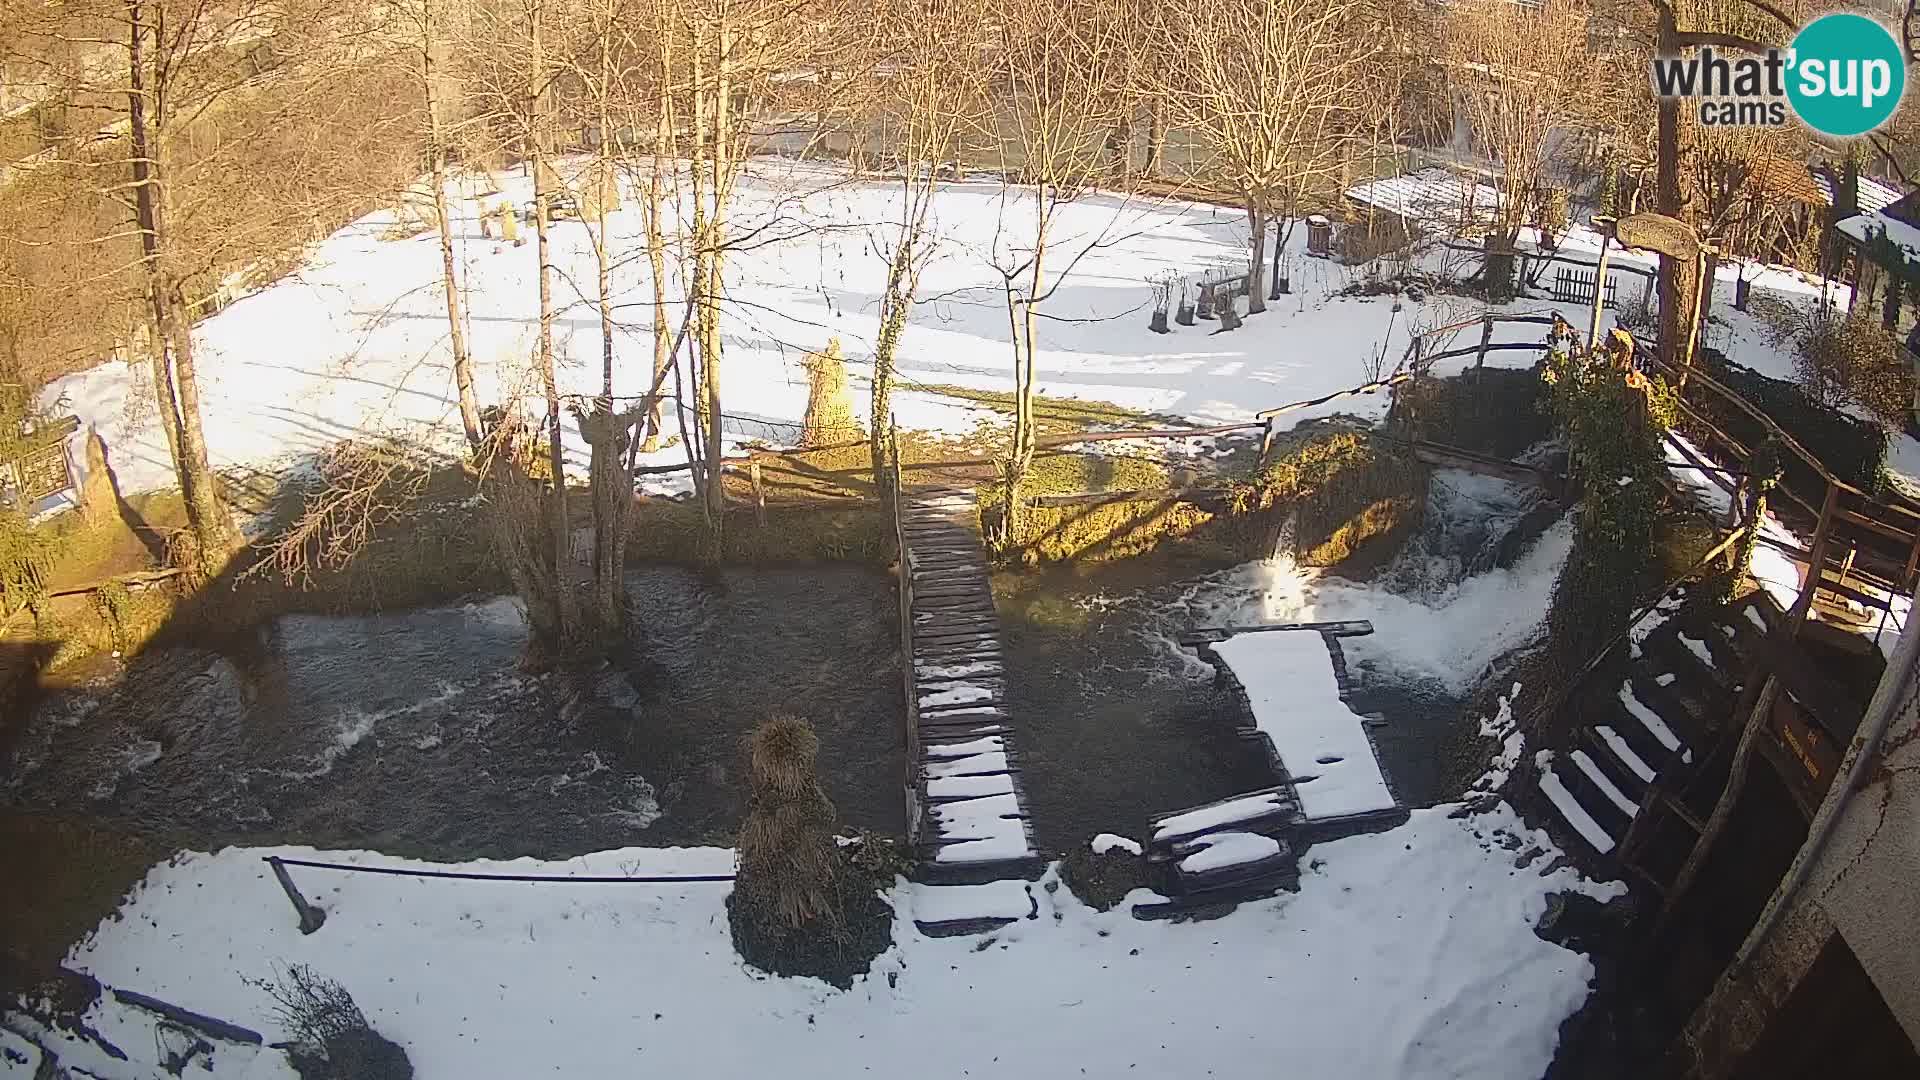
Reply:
x=1266, y=449
x=759, y=494
x=1486, y=339
x=311, y=917
x=1599, y=293
x=1722, y=809
x=1817, y=561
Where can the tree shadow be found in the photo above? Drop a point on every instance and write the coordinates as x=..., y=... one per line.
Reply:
x=149, y=537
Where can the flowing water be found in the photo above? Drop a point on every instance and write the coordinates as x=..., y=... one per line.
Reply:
x=414, y=733
x=1117, y=722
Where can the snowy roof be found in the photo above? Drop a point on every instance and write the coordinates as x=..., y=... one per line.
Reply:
x=1428, y=195
x=1873, y=195
x=1864, y=227
x=1289, y=680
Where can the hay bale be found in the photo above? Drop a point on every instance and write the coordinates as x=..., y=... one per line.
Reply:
x=829, y=420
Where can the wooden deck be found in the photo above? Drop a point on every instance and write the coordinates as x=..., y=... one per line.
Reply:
x=966, y=807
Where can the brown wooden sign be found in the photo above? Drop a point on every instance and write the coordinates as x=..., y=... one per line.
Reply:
x=1806, y=744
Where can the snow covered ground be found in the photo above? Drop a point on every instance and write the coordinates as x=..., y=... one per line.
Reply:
x=354, y=342
x=1361, y=974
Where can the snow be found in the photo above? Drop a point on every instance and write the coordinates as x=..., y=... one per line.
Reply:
x=483, y=980
x=18, y=1057
x=1648, y=718
x=1218, y=851
x=957, y=694
x=1605, y=783
x=353, y=343
x=956, y=671
x=981, y=764
x=1666, y=679
x=1108, y=842
x=1864, y=227
x=1502, y=726
x=1624, y=752
x=1227, y=812
x=969, y=787
x=1698, y=648
x=953, y=903
x=989, y=744
x=1433, y=195
x=1570, y=810
x=1289, y=679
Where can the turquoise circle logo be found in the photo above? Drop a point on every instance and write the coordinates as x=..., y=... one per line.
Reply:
x=1847, y=75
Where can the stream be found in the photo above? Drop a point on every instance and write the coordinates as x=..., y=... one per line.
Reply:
x=414, y=733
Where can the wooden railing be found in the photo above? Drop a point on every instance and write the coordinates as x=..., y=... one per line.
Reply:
x=1856, y=536
x=910, y=780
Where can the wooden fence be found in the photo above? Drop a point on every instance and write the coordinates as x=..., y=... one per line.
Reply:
x=1579, y=286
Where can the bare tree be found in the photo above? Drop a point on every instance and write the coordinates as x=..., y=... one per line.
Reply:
x=931, y=96
x=1051, y=73
x=427, y=28
x=1275, y=89
x=1511, y=66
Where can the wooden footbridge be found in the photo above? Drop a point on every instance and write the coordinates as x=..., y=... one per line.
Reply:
x=966, y=808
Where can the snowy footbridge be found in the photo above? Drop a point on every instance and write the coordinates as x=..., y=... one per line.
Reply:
x=966, y=810
x=1292, y=681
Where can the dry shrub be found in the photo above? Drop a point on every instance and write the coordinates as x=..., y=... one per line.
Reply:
x=1844, y=358
x=328, y=1037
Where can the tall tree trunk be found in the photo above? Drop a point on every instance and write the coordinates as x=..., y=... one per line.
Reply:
x=1021, y=321
x=894, y=303
x=609, y=432
x=657, y=259
x=705, y=473
x=442, y=219
x=1257, y=266
x=175, y=386
x=1156, y=135
x=1675, y=142
x=557, y=524
x=721, y=161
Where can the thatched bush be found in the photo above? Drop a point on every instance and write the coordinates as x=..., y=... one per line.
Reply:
x=328, y=1037
x=798, y=906
x=829, y=418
